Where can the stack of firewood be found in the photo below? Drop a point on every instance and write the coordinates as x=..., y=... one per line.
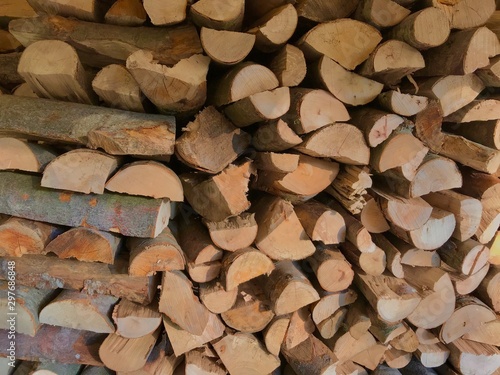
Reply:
x=262, y=187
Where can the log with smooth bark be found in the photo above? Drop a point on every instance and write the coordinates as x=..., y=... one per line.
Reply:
x=133, y=320
x=226, y=47
x=289, y=66
x=234, y=233
x=126, y=13
x=376, y=125
x=321, y=223
x=163, y=13
x=275, y=136
x=219, y=14
x=402, y=104
x=332, y=270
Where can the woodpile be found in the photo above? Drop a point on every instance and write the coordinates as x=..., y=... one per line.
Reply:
x=296, y=187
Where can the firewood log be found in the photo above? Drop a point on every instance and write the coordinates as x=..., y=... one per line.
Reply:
x=320, y=11
x=299, y=328
x=54, y=368
x=86, y=245
x=381, y=329
x=275, y=136
x=332, y=270
x=388, y=66
x=321, y=223
x=395, y=359
x=468, y=356
x=80, y=170
x=467, y=257
x=402, y=104
x=424, y=29
x=348, y=87
x=415, y=367
x=369, y=358
x=280, y=234
x=8, y=43
x=413, y=256
x=357, y=321
x=373, y=263
x=149, y=256
x=376, y=125
x=487, y=333
x=9, y=77
x=477, y=110
x=20, y=236
x=204, y=272
x=117, y=132
x=312, y=109
x=407, y=341
x=275, y=332
x=407, y=214
x=148, y=179
x=335, y=40
x=122, y=354
x=219, y=14
x=263, y=106
x=85, y=10
x=199, y=363
x=277, y=162
x=349, y=188
x=311, y=357
x=78, y=310
x=51, y=273
x=289, y=66
x=118, y=89
x=216, y=298
x=243, y=265
x=330, y=303
x=133, y=320
x=220, y=196
x=494, y=246
x=490, y=75
x=464, y=14
x=344, y=346
x=331, y=325
x=486, y=133
x=27, y=303
x=169, y=13
x=139, y=217
x=466, y=284
x=392, y=254
x=169, y=45
x=222, y=142
x=488, y=289
x=226, y=47
x=381, y=13
x=234, y=233
x=24, y=156
x=24, y=90
x=433, y=355
x=126, y=13
x=196, y=244
x=182, y=341
x=234, y=350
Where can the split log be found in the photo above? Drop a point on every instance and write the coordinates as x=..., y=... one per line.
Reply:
x=122, y=354
x=24, y=90
x=8, y=43
x=160, y=254
x=219, y=14
x=80, y=170
x=424, y=29
x=311, y=357
x=467, y=257
x=9, y=76
x=349, y=188
x=488, y=333
x=477, y=110
x=331, y=325
x=469, y=356
x=205, y=272
x=220, y=196
x=118, y=89
x=407, y=214
x=133, y=320
x=280, y=234
x=196, y=244
x=169, y=45
x=313, y=109
x=392, y=253
x=78, y=310
x=494, y=246
x=126, y=13
x=486, y=133
x=41, y=67
x=320, y=11
x=489, y=290
x=243, y=265
x=465, y=14
x=335, y=40
x=391, y=61
x=263, y=106
x=383, y=330
x=137, y=216
x=22, y=307
x=395, y=359
x=245, y=79
x=490, y=75
x=181, y=88
x=86, y=245
x=275, y=136
x=412, y=256
x=198, y=363
x=369, y=358
x=289, y=66
x=95, y=278
x=373, y=218
x=233, y=233
x=117, y=132
x=407, y=342
x=233, y=349
x=346, y=346
x=92, y=11
x=24, y=156
x=373, y=263
x=277, y=162
x=222, y=142
x=226, y=47
x=20, y=236
x=275, y=332
x=330, y=303
x=376, y=125
x=321, y=223
x=402, y=104
x=381, y=13
x=148, y=179
x=433, y=355
x=299, y=329
x=357, y=321
x=164, y=14
x=332, y=270
x=216, y=298
x=466, y=284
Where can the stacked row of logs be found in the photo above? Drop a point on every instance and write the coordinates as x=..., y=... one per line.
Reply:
x=262, y=187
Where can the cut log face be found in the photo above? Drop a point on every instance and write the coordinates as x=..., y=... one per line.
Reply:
x=395, y=359
x=219, y=14
x=335, y=40
x=477, y=110
x=275, y=332
x=234, y=233
x=196, y=244
x=275, y=136
x=407, y=214
x=169, y=13
x=464, y=14
x=93, y=10
x=181, y=88
x=468, y=356
x=466, y=284
x=41, y=67
x=204, y=273
x=289, y=66
x=24, y=156
x=488, y=290
x=78, y=310
x=216, y=298
x=376, y=125
x=402, y=104
x=486, y=133
x=319, y=11
x=373, y=263
x=149, y=179
x=86, y=245
x=392, y=253
x=467, y=257
x=332, y=270
x=330, y=303
x=311, y=357
x=133, y=320
x=126, y=13
x=226, y=47
x=331, y=325
x=494, y=246
x=490, y=75
x=277, y=162
x=381, y=13
x=218, y=134
x=197, y=362
x=488, y=333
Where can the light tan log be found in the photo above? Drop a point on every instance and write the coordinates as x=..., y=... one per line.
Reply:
x=8, y=43
x=407, y=214
x=280, y=235
x=321, y=223
x=468, y=356
x=118, y=89
x=392, y=254
x=376, y=125
x=412, y=256
x=373, y=218
x=24, y=90
x=402, y=104
x=166, y=13
x=299, y=329
x=330, y=303
x=243, y=265
x=395, y=359
x=78, y=310
x=357, y=321
x=331, y=325
x=464, y=14
x=490, y=75
x=182, y=341
x=289, y=66
x=432, y=355
x=122, y=354
x=221, y=142
x=226, y=47
x=335, y=40
x=349, y=188
x=80, y=170
x=477, y=110
x=149, y=256
x=196, y=244
x=245, y=79
x=466, y=284
x=126, y=13
x=373, y=263
x=370, y=358
x=275, y=332
x=41, y=67
x=381, y=329
x=27, y=303
x=86, y=245
x=277, y=162
x=233, y=351
x=234, y=233
x=489, y=290
x=494, y=246
x=488, y=333
x=345, y=347
x=467, y=257
x=219, y=14
x=485, y=133
x=381, y=13
x=21, y=236
x=85, y=10
x=199, y=363
x=392, y=298
x=424, y=29
x=332, y=270
x=133, y=320
x=216, y=298
x=205, y=272
x=407, y=342
x=263, y=106
x=275, y=136
x=180, y=88
x=311, y=357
